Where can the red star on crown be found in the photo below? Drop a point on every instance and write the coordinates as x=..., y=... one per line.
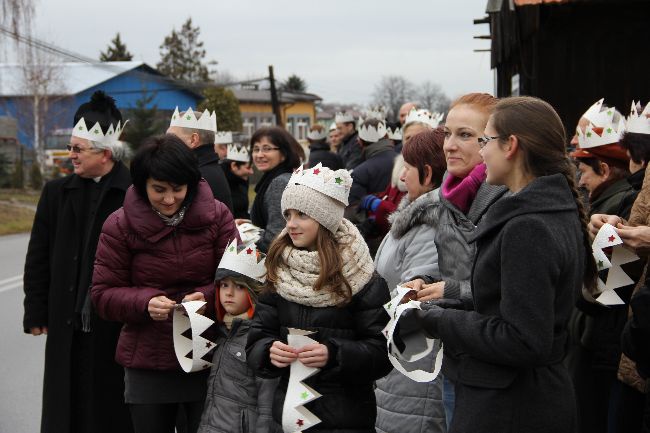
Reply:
x=300, y=422
x=316, y=171
x=612, y=238
x=249, y=251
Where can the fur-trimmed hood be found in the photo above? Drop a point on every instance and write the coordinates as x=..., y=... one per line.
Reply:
x=412, y=213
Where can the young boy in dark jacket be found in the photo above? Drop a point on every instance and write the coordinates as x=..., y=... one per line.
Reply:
x=236, y=400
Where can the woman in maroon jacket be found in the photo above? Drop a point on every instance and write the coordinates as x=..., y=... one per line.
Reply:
x=160, y=248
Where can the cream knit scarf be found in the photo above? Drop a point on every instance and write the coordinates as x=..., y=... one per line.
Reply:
x=296, y=279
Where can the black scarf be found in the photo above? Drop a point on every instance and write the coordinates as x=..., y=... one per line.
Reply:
x=259, y=213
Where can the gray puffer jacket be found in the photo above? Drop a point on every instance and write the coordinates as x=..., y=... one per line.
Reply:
x=408, y=250
x=237, y=400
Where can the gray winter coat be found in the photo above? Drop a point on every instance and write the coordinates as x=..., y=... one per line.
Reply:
x=237, y=400
x=408, y=250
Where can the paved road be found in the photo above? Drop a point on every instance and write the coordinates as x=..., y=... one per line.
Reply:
x=21, y=355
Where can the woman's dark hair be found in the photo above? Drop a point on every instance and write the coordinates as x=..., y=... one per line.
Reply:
x=541, y=137
x=288, y=145
x=165, y=158
x=638, y=145
x=425, y=148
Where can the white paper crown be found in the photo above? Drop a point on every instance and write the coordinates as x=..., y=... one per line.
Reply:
x=638, y=123
x=395, y=133
x=372, y=134
x=599, y=117
x=223, y=137
x=244, y=262
x=317, y=135
x=343, y=117
x=424, y=116
x=332, y=126
x=378, y=113
x=238, y=153
x=611, y=134
x=207, y=121
x=96, y=134
x=332, y=183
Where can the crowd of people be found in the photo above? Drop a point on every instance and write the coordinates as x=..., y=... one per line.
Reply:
x=487, y=213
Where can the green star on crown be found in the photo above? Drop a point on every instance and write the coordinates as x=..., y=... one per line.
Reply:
x=304, y=395
x=96, y=131
x=188, y=117
x=588, y=134
x=609, y=130
x=81, y=128
x=600, y=263
x=338, y=180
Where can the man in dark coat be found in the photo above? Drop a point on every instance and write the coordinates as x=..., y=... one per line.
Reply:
x=349, y=150
x=197, y=130
x=373, y=174
x=83, y=388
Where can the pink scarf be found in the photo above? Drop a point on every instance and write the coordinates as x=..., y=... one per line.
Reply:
x=462, y=191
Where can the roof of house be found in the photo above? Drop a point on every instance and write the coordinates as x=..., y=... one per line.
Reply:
x=264, y=96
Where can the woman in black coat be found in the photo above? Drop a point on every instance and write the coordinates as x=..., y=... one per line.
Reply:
x=534, y=256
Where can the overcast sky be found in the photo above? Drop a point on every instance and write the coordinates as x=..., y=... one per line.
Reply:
x=340, y=48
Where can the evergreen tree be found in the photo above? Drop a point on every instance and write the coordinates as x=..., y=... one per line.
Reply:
x=294, y=84
x=35, y=177
x=143, y=122
x=182, y=54
x=116, y=52
x=225, y=104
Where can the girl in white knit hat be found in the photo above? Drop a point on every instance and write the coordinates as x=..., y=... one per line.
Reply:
x=320, y=278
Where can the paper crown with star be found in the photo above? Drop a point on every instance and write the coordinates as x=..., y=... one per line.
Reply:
x=638, y=123
x=238, y=153
x=96, y=134
x=371, y=133
x=343, y=117
x=316, y=134
x=223, y=137
x=600, y=116
x=595, y=136
x=394, y=133
x=207, y=121
x=246, y=261
x=423, y=116
x=333, y=183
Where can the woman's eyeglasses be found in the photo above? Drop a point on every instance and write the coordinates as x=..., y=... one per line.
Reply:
x=264, y=149
x=483, y=141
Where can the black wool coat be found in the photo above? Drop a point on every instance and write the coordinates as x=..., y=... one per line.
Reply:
x=212, y=172
x=238, y=191
x=319, y=151
x=355, y=344
x=529, y=266
x=51, y=279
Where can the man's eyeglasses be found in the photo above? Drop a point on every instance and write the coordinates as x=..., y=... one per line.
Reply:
x=78, y=150
x=264, y=149
x=483, y=141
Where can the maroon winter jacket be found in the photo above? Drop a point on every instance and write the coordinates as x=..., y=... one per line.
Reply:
x=139, y=257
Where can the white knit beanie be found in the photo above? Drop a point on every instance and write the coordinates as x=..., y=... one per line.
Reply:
x=320, y=193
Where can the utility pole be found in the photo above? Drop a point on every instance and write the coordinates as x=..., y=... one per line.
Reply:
x=275, y=103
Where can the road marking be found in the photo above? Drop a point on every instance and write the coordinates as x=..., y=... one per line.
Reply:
x=11, y=283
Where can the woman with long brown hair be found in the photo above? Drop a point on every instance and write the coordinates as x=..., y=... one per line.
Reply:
x=320, y=278
x=533, y=258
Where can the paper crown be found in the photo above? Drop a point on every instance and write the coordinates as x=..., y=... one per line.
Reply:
x=423, y=116
x=599, y=117
x=394, y=133
x=246, y=262
x=591, y=138
x=207, y=121
x=343, y=117
x=238, y=153
x=332, y=126
x=638, y=123
x=372, y=134
x=223, y=137
x=333, y=183
x=96, y=134
x=378, y=113
x=316, y=134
